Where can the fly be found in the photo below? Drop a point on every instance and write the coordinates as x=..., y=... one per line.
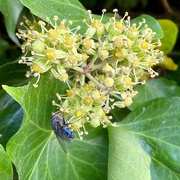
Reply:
x=61, y=129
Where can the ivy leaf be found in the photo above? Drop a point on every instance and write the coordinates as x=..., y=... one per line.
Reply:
x=6, y=171
x=11, y=11
x=10, y=111
x=126, y=160
x=10, y=117
x=152, y=23
x=34, y=149
x=168, y=42
x=147, y=140
x=168, y=63
x=69, y=10
x=169, y=39
x=155, y=88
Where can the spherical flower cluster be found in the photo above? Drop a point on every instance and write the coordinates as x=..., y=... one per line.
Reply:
x=105, y=64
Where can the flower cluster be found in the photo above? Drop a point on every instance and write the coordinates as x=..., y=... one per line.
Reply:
x=104, y=64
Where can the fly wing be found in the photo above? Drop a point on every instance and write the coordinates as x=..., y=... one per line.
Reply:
x=62, y=143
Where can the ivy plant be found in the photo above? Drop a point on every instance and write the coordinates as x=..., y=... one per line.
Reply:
x=124, y=127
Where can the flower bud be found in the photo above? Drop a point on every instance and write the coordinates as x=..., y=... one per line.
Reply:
x=127, y=101
x=118, y=42
x=108, y=82
x=103, y=54
x=38, y=46
x=107, y=68
x=63, y=77
x=94, y=122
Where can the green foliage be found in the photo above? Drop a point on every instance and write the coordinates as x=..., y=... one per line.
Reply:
x=145, y=144
x=168, y=42
x=36, y=144
x=11, y=12
x=147, y=139
x=6, y=171
x=156, y=88
x=169, y=39
x=69, y=10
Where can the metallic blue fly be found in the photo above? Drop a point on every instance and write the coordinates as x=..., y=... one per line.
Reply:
x=62, y=131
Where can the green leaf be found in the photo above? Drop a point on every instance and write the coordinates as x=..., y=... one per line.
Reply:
x=127, y=160
x=155, y=88
x=4, y=46
x=64, y=9
x=169, y=39
x=8, y=52
x=11, y=10
x=13, y=73
x=151, y=131
x=152, y=23
x=168, y=63
x=10, y=110
x=6, y=171
x=34, y=149
x=10, y=117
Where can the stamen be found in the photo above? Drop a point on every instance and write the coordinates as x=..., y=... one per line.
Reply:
x=90, y=15
x=103, y=11
x=55, y=21
x=38, y=78
x=68, y=84
x=59, y=97
x=42, y=25
x=128, y=21
x=85, y=132
x=28, y=74
x=115, y=11
x=104, y=125
x=125, y=15
x=49, y=21
x=80, y=134
x=84, y=21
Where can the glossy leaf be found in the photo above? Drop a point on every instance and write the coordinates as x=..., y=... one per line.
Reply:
x=69, y=10
x=10, y=111
x=147, y=138
x=11, y=11
x=155, y=88
x=35, y=151
x=152, y=23
x=6, y=171
x=10, y=117
x=168, y=63
x=126, y=160
x=170, y=30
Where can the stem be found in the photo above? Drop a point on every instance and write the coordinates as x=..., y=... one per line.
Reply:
x=92, y=61
x=115, y=95
x=166, y=6
x=98, y=66
x=82, y=79
x=78, y=69
x=101, y=86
